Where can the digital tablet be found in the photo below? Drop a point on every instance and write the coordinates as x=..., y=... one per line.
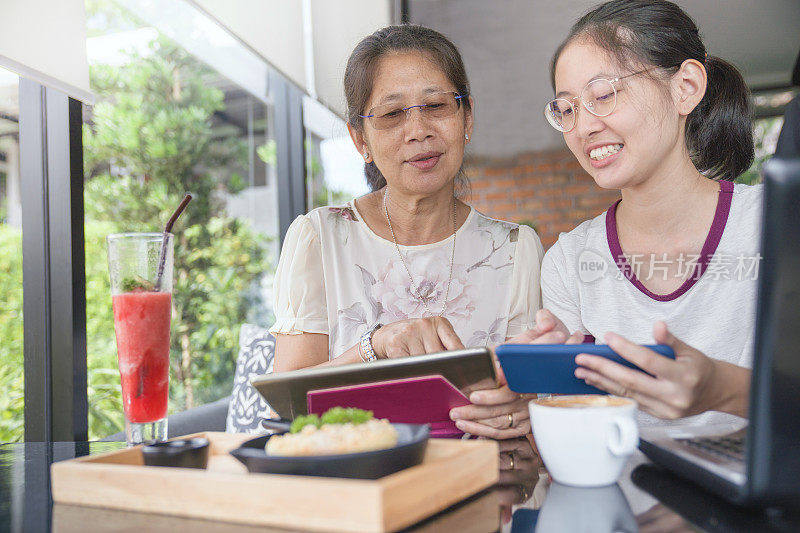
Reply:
x=286, y=392
x=550, y=368
x=419, y=400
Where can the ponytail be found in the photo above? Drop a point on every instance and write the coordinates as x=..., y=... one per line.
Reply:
x=719, y=131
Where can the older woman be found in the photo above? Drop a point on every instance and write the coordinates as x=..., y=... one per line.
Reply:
x=408, y=269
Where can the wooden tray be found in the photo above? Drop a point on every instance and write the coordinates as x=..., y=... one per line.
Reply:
x=451, y=471
x=477, y=514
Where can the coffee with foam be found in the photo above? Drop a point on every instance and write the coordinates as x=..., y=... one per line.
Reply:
x=583, y=400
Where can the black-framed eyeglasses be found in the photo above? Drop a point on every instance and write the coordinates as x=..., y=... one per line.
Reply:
x=599, y=97
x=434, y=106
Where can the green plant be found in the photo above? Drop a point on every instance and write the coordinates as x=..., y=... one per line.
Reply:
x=150, y=140
x=765, y=135
x=4, y=198
x=530, y=223
x=12, y=382
x=319, y=194
x=268, y=153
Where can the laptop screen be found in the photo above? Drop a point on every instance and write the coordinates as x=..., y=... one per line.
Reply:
x=773, y=453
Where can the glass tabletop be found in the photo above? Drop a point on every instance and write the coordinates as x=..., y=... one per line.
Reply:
x=524, y=500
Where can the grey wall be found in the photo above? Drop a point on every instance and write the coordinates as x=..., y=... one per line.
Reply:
x=507, y=45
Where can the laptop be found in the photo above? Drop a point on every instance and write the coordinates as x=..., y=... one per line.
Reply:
x=760, y=463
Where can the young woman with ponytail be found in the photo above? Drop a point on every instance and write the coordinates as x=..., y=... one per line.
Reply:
x=646, y=109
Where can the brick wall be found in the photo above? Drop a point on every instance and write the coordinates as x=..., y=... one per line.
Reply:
x=549, y=190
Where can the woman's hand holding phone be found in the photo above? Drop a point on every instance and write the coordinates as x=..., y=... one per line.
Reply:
x=690, y=384
x=502, y=413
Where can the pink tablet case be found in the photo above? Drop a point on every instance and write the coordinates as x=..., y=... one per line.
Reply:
x=418, y=400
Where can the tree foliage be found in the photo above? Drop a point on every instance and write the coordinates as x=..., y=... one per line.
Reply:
x=765, y=136
x=150, y=139
x=11, y=346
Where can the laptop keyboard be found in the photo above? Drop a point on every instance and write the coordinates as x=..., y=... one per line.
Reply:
x=728, y=446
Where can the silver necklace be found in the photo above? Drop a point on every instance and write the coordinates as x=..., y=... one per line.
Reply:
x=413, y=289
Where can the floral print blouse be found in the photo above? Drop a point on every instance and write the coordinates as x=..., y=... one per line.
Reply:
x=336, y=277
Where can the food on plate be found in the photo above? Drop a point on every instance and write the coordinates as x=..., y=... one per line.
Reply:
x=338, y=431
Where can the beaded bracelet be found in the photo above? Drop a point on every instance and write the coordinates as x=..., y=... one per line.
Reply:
x=366, y=344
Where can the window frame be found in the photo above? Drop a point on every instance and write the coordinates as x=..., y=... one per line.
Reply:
x=53, y=264
x=54, y=269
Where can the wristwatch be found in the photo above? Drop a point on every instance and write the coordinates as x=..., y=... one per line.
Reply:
x=367, y=352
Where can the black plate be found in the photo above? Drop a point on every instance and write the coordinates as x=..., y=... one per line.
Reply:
x=412, y=440
x=185, y=453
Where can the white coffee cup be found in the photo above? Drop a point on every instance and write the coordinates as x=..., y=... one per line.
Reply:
x=584, y=440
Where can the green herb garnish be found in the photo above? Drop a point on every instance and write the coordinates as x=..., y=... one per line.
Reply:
x=334, y=415
x=136, y=284
x=304, y=420
x=344, y=415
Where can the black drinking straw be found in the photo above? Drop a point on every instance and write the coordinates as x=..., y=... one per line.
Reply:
x=163, y=257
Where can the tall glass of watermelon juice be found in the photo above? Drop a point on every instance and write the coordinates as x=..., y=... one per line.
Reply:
x=140, y=265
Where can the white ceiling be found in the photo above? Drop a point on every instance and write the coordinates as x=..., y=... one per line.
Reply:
x=761, y=37
x=507, y=46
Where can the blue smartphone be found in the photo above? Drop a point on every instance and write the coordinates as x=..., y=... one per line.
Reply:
x=550, y=368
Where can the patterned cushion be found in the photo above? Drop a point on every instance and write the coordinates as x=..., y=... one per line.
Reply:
x=256, y=354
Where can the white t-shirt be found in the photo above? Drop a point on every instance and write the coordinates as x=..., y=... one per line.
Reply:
x=335, y=276
x=589, y=284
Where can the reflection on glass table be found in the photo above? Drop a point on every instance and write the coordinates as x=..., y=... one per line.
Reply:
x=647, y=500
x=579, y=509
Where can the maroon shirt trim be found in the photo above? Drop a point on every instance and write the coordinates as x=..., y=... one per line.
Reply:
x=709, y=247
